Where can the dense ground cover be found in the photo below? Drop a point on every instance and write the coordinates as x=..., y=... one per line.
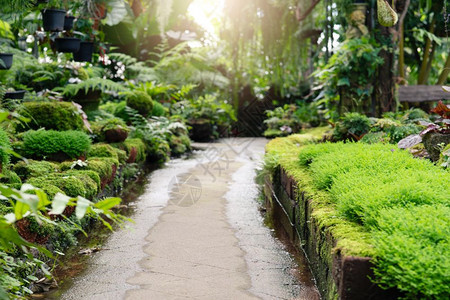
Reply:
x=394, y=206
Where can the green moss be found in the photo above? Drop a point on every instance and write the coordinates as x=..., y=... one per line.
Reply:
x=93, y=175
x=102, y=150
x=70, y=185
x=11, y=179
x=129, y=144
x=48, y=144
x=102, y=165
x=141, y=102
x=51, y=115
x=33, y=168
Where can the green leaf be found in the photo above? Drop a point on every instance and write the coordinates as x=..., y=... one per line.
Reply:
x=59, y=203
x=107, y=203
x=343, y=81
x=82, y=206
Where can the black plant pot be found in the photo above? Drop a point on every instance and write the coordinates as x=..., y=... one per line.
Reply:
x=53, y=19
x=85, y=52
x=67, y=45
x=15, y=95
x=68, y=22
x=7, y=59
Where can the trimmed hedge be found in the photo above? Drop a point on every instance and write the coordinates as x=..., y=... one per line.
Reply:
x=403, y=202
x=51, y=115
x=52, y=144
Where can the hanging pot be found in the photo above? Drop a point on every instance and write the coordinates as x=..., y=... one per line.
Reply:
x=67, y=45
x=85, y=52
x=68, y=22
x=53, y=19
x=7, y=59
x=15, y=95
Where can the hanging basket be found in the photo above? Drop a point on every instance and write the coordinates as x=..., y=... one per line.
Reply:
x=53, y=19
x=7, y=59
x=84, y=54
x=68, y=22
x=67, y=45
x=15, y=95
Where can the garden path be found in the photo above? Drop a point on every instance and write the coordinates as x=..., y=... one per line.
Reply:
x=197, y=234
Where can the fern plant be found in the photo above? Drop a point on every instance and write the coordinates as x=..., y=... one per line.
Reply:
x=93, y=84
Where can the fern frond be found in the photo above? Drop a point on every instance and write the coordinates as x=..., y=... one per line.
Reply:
x=94, y=84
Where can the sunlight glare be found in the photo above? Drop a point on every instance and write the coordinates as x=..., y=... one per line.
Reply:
x=207, y=13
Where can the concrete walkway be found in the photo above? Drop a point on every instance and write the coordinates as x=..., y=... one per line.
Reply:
x=198, y=235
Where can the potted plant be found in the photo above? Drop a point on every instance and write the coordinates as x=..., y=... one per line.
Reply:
x=84, y=28
x=68, y=22
x=6, y=60
x=53, y=19
x=115, y=130
x=67, y=44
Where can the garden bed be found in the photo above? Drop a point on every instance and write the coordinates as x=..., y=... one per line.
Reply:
x=341, y=249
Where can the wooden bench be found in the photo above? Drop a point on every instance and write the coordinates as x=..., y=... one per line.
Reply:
x=421, y=96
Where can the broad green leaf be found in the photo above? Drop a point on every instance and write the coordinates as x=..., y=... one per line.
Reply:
x=343, y=81
x=107, y=203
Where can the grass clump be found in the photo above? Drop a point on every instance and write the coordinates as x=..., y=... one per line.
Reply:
x=52, y=144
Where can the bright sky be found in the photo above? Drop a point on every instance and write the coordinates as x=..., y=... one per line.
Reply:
x=207, y=13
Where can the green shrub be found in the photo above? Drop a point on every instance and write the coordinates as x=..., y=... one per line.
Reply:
x=33, y=168
x=43, y=143
x=158, y=109
x=416, y=114
x=375, y=137
x=176, y=145
x=51, y=115
x=141, y=102
x=351, y=126
x=5, y=146
x=397, y=133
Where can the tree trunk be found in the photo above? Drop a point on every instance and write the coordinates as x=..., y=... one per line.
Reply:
x=445, y=72
x=426, y=55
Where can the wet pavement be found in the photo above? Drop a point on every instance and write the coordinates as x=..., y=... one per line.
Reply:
x=198, y=234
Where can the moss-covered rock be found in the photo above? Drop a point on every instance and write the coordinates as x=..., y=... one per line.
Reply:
x=70, y=185
x=51, y=115
x=33, y=168
x=141, y=102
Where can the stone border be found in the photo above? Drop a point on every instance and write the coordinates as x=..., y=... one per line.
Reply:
x=337, y=276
